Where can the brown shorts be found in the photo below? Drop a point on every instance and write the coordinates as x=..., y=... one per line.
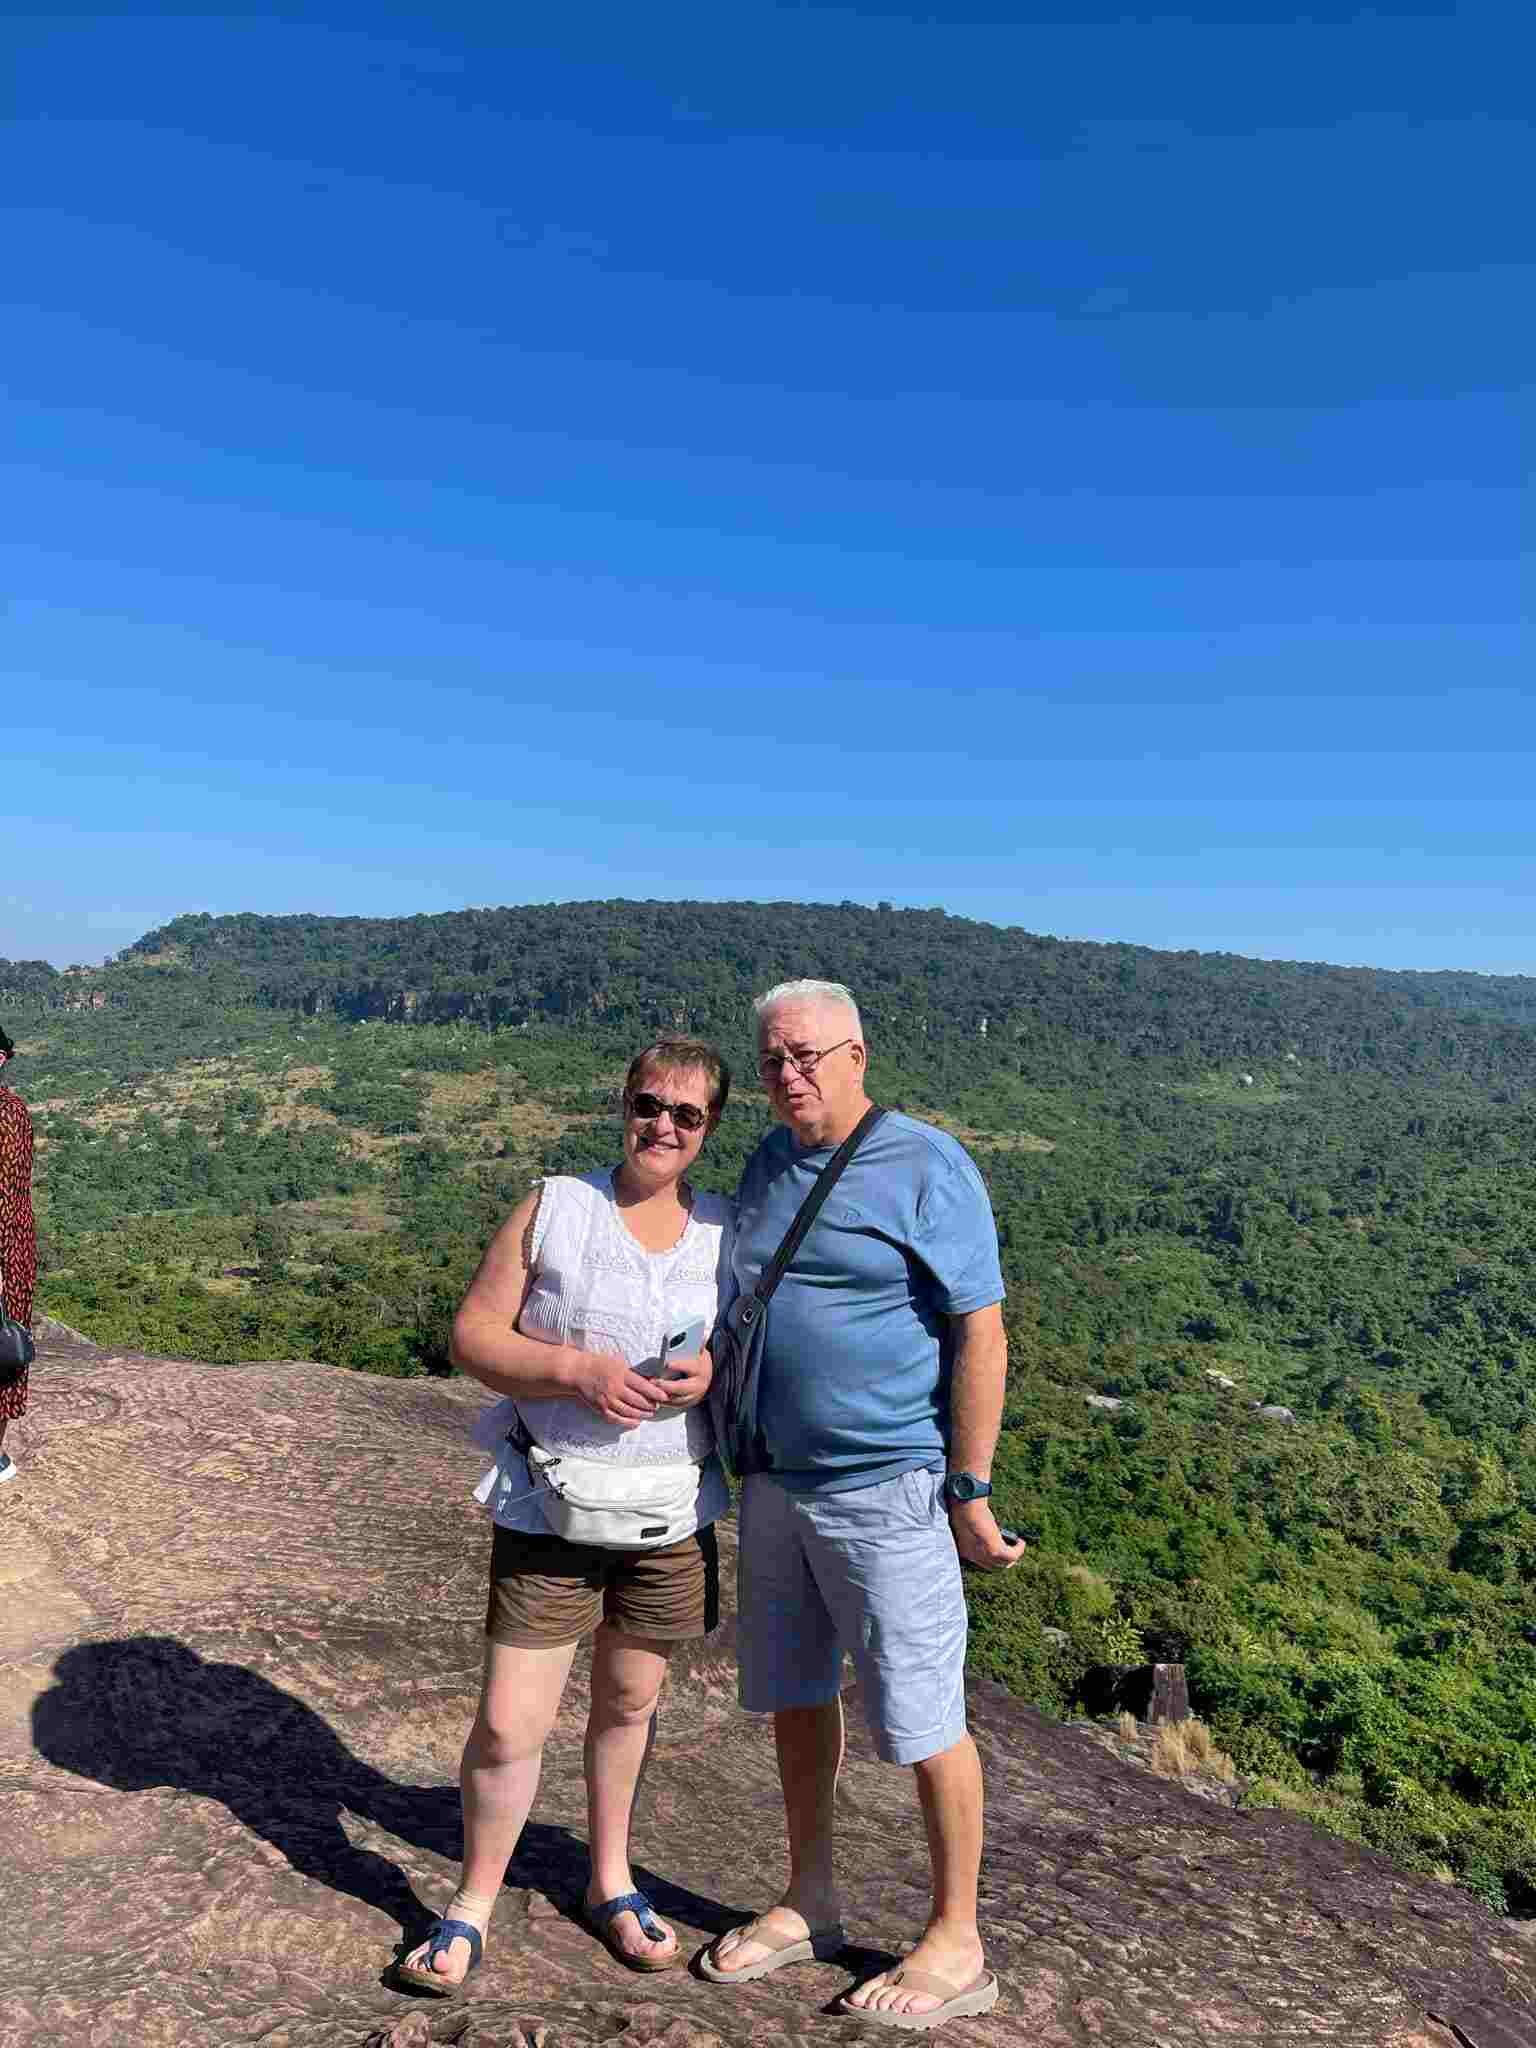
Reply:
x=546, y=1592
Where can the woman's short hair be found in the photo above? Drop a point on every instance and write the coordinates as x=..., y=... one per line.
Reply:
x=678, y=1056
x=7, y=1043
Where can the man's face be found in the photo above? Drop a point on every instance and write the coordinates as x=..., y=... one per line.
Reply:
x=811, y=1103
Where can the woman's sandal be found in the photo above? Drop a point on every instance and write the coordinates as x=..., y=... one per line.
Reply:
x=600, y=1920
x=440, y=1938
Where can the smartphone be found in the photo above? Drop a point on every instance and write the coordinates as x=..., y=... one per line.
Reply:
x=1008, y=1536
x=684, y=1343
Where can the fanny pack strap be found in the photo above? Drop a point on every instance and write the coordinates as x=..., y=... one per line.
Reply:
x=806, y=1215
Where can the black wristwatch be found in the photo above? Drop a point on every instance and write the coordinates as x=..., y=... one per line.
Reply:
x=963, y=1486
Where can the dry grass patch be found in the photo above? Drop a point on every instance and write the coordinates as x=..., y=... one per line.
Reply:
x=287, y=1111
x=339, y=1215
x=1090, y=1580
x=171, y=1095
x=1182, y=1749
x=535, y=1120
x=450, y=1095
x=987, y=1141
x=293, y=1080
x=453, y=1100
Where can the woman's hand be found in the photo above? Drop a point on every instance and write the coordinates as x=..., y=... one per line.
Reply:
x=687, y=1380
x=612, y=1389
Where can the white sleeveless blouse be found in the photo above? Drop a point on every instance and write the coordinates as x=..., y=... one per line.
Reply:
x=596, y=1287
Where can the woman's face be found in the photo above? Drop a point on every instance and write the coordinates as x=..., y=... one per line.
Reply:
x=657, y=1148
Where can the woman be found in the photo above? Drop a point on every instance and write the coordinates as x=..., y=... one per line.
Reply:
x=586, y=1281
x=18, y=1243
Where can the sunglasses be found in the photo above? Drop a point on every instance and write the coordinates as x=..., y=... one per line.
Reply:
x=686, y=1115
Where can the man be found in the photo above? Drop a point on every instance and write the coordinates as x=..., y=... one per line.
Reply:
x=879, y=1407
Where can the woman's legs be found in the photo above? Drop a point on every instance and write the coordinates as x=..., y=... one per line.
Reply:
x=627, y=1673
x=519, y=1699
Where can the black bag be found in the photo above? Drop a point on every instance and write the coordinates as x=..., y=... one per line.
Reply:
x=736, y=1342
x=17, y=1350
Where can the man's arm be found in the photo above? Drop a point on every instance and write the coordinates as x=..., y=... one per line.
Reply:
x=978, y=1377
x=488, y=1345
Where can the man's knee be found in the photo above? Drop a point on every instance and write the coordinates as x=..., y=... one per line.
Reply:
x=814, y=1719
x=957, y=1760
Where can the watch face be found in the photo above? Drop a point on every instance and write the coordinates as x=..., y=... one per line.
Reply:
x=964, y=1486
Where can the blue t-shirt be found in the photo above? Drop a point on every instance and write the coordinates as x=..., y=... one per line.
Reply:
x=855, y=1375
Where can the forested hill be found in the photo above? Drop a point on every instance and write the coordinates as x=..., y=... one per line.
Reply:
x=1268, y=1233
x=634, y=967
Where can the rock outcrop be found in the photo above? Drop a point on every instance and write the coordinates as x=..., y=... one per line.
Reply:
x=239, y=1645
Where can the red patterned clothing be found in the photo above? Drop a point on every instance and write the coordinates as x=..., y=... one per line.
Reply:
x=18, y=1236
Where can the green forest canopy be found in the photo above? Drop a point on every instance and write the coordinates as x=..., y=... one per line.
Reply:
x=1219, y=1183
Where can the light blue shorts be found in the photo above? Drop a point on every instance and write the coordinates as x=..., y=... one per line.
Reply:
x=874, y=1572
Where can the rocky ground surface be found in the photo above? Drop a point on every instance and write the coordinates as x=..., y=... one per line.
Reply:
x=239, y=1644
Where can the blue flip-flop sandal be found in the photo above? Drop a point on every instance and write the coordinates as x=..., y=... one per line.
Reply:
x=601, y=1918
x=441, y=1937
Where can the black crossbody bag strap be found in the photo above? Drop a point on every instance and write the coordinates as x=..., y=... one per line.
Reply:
x=826, y=1181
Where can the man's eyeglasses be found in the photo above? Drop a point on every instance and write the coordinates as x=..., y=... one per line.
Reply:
x=771, y=1065
x=686, y=1115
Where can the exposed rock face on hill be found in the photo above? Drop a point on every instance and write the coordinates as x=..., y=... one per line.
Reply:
x=239, y=1643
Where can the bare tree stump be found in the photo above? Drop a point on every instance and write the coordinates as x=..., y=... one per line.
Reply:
x=1170, y=1694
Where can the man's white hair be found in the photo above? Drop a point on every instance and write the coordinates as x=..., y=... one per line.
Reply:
x=831, y=994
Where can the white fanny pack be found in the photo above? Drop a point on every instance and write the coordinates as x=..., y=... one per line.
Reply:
x=588, y=1500
x=616, y=1507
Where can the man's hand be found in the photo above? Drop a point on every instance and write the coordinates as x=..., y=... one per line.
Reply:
x=978, y=1538
x=613, y=1390
x=687, y=1380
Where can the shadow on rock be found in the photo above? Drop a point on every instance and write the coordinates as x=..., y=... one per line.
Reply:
x=146, y=1712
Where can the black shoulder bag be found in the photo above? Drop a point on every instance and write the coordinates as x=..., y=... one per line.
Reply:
x=17, y=1350
x=736, y=1343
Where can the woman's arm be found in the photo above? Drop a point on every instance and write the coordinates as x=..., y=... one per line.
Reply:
x=488, y=1345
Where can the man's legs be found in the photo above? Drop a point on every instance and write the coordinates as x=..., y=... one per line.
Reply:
x=949, y=1792
x=885, y=1560
x=790, y=1664
x=809, y=1741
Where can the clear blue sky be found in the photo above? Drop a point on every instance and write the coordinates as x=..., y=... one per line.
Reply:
x=1069, y=470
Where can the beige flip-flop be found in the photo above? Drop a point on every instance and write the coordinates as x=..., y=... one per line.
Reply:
x=980, y=1995
x=820, y=1945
